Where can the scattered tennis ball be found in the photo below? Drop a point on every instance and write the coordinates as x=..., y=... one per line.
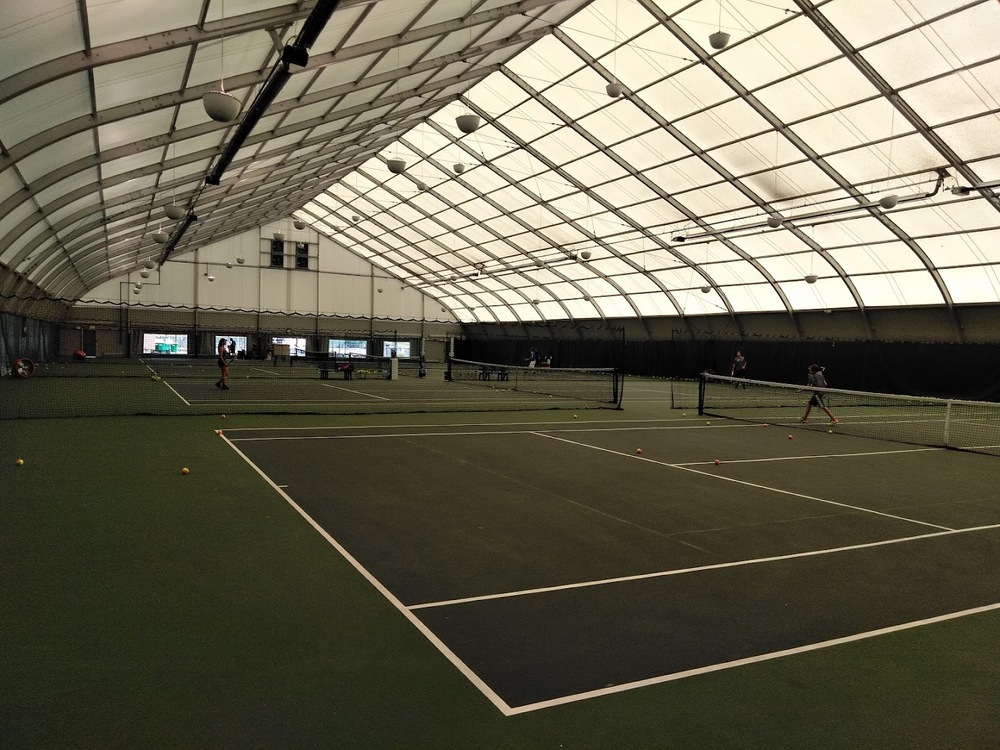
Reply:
x=19, y=462
x=684, y=414
x=185, y=470
x=574, y=416
x=223, y=416
x=708, y=423
x=830, y=431
x=218, y=432
x=717, y=462
x=791, y=437
x=638, y=451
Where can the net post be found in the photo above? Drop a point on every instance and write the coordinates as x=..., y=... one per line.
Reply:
x=702, y=381
x=947, y=424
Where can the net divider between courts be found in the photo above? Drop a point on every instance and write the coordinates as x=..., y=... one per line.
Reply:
x=602, y=385
x=921, y=420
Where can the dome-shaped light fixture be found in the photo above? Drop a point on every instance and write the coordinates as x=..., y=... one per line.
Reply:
x=396, y=166
x=229, y=265
x=160, y=237
x=719, y=40
x=174, y=213
x=539, y=263
x=586, y=254
x=279, y=236
x=706, y=289
x=535, y=301
x=241, y=261
x=136, y=291
x=379, y=290
x=355, y=218
x=811, y=278
x=774, y=221
x=220, y=105
x=149, y=264
x=210, y=277
x=421, y=186
x=678, y=238
x=144, y=273
x=299, y=224
x=587, y=298
x=138, y=285
x=888, y=201
x=459, y=168
x=614, y=89
x=468, y=123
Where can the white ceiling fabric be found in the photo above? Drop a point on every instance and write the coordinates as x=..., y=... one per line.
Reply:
x=566, y=202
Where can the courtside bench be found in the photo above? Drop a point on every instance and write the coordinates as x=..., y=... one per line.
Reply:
x=487, y=373
x=325, y=368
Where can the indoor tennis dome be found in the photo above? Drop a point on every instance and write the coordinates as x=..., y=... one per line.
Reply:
x=789, y=169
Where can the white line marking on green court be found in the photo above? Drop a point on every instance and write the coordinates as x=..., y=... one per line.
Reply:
x=450, y=655
x=749, y=660
x=351, y=390
x=696, y=569
x=714, y=475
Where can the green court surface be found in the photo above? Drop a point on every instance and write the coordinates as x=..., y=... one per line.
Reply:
x=494, y=580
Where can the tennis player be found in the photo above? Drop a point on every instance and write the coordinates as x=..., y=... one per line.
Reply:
x=739, y=369
x=223, y=365
x=816, y=379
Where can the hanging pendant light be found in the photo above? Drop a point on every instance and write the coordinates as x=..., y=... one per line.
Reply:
x=614, y=89
x=811, y=278
x=459, y=168
x=220, y=105
x=774, y=221
x=299, y=224
x=174, y=213
x=888, y=201
x=468, y=123
x=396, y=166
x=160, y=237
x=720, y=38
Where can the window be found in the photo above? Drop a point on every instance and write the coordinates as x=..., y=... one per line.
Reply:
x=296, y=345
x=277, y=254
x=164, y=343
x=399, y=349
x=302, y=255
x=348, y=348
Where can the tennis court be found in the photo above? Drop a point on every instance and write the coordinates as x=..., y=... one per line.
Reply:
x=187, y=386
x=551, y=562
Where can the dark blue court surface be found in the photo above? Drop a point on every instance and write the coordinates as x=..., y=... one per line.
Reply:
x=553, y=562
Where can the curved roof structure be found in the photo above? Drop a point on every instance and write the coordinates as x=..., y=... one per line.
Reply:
x=625, y=158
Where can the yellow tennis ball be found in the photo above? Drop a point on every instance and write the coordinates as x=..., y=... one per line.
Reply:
x=185, y=470
x=638, y=451
x=19, y=462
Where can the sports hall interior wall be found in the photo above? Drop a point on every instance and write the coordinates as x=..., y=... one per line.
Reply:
x=932, y=351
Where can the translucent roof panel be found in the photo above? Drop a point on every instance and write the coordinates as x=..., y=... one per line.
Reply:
x=587, y=159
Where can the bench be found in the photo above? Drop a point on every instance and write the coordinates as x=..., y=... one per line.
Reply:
x=486, y=373
x=327, y=367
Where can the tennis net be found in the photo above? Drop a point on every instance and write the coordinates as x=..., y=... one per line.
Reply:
x=564, y=386
x=920, y=420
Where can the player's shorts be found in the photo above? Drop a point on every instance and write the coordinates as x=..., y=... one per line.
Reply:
x=817, y=400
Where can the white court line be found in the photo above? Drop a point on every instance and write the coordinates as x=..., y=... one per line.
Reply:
x=468, y=424
x=684, y=467
x=562, y=700
x=351, y=390
x=696, y=569
x=806, y=458
x=450, y=655
x=186, y=402
x=172, y=389
x=445, y=434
